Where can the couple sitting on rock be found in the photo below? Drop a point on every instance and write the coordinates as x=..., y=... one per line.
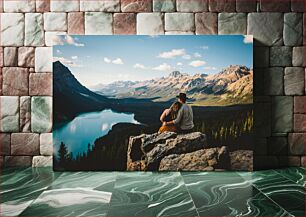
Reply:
x=178, y=118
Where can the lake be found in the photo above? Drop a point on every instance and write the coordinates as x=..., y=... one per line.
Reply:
x=86, y=128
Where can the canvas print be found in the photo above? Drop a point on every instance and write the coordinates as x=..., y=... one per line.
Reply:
x=153, y=103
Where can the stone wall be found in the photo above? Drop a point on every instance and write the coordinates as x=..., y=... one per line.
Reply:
x=27, y=28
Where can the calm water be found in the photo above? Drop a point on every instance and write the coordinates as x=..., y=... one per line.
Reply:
x=86, y=128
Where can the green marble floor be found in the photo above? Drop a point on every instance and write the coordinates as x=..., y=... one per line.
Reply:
x=42, y=192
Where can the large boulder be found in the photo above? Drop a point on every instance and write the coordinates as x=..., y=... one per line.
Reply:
x=242, y=160
x=171, y=151
x=201, y=160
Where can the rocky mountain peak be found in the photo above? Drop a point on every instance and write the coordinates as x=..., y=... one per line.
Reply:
x=175, y=74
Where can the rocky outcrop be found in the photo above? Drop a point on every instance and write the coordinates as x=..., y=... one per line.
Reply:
x=172, y=152
x=242, y=160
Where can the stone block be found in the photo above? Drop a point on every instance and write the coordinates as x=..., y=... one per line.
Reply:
x=9, y=113
x=42, y=161
x=293, y=29
x=10, y=56
x=192, y=5
x=18, y=161
x=26, y=57
x=206, y=23
x=298, y=6
x=34, y=29
x=25, y=144
x=289, y=161
x=5, y=144
x=155, y=20
x=1, y=56
x=304, y=29
x=164, y=5
x=41, y=114
x=100, y=5
x=299, y=104
x=299, y=124
x=294, y=81
x=43, y=59
x=299, y=56
x=25, y=114
x=296, y=143
x=76, y=23
x=303, y=161
x=232, y=24
x=246, y=5
x=51, y=38
x=98, y=23
x=280, y=56
x=124, y=23
x=282, y=117
x=261, y=57
x=40, y=84
x=274, y=81
x=42, y=5
x=19, y=6
x=136, y=5
x=278, y=146
x=179, y=33
x=267, y=28
x=55, y=21
x=64, y=6
x=46, y=144
x=12, y=24
x=179, y=22
x=1, y=81
x=272, y=6
x=222, y=5
x=15, y=81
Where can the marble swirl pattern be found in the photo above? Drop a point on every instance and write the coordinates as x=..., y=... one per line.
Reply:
x=151, y=194
x=75, y=194
x=42, y=192
x=228, y=194
x=283, y=191
x=19, y=188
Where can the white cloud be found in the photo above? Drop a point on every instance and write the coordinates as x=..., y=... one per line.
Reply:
x=197, y=55
x=211, y=68
x=74, y=57
x=179, y=64
x=171, y=54
x=163, y=67
x=107, y=60
x=117, y=61
x=66, y=62
x=248, y=39
x=197, y=63
x=139, y=66
x=65, y=39
x=70, y=40
x=59, y=52
x=186, y=57
x=204, y=47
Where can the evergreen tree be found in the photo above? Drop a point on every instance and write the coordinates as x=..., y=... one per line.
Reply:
x=63, y=154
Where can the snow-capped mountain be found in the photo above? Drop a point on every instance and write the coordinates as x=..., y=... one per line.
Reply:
x=233, y=85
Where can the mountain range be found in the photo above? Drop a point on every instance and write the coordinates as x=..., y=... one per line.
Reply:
x=71, y=97
x=233, y=85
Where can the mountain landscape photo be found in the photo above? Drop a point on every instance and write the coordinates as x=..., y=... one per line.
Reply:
x=110, y=121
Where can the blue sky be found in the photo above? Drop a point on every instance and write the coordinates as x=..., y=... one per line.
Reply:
x=105, y=59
